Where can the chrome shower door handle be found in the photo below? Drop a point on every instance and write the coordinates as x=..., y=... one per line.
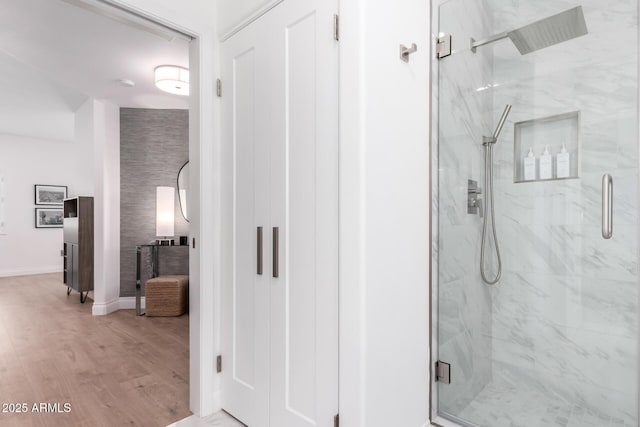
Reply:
x=607, y=206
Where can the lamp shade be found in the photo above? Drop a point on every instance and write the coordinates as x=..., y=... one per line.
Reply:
x=172, y=79
x=165, y=211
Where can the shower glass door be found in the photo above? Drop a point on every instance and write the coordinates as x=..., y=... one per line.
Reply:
x=555, y=341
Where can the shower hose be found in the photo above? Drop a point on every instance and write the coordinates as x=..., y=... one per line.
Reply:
x=489, y=209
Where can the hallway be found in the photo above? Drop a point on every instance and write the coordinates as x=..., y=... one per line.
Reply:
x=113, y=370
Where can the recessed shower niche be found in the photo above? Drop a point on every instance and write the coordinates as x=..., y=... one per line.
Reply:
x=547, y=148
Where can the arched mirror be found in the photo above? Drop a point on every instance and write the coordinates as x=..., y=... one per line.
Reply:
x=183, y=189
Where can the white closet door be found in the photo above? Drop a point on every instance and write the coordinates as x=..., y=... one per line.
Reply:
x=245, y=293
x=280, y=133
x=304, y=299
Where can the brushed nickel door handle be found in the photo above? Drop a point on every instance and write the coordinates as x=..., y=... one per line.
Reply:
x=276, y=247
x=259, y=251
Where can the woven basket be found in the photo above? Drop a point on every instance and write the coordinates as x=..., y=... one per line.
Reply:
x=167, y=296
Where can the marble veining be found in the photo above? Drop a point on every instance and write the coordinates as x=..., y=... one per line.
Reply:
x=465, y=323
x=533, y=406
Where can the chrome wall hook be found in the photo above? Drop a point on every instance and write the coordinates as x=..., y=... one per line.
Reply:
x=405, y=51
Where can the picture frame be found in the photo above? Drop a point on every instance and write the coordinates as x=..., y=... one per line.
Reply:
x=49, y=217
x=50, y=195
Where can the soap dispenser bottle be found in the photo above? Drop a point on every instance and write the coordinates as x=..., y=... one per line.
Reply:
x=530, y=166
x=546, y=169
x=563, y=163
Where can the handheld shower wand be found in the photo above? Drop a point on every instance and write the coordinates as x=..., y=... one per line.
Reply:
x=502, y=121
x=488, y=142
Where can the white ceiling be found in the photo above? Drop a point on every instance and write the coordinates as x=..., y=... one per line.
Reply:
x=55, y=54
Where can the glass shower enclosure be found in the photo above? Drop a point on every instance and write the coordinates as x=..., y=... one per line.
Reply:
x=554, y=341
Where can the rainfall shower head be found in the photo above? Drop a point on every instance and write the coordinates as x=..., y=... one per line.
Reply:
x=550, y=31
x=546, y=32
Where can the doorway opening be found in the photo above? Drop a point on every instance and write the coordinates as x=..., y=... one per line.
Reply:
x=83, y=115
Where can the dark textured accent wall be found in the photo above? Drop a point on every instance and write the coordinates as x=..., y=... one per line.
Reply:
x=154, y=144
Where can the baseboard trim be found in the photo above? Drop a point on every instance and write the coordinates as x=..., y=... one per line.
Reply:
x=31, y=272
x=105, y=308
x=129, y=303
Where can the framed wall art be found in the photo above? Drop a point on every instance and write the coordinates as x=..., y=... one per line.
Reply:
x=50, y=194
x=49, y=217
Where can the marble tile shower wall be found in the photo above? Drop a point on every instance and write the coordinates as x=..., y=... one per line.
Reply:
x=464, y=304
x=565, y=314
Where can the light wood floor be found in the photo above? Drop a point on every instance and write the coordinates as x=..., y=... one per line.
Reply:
x=114, y=370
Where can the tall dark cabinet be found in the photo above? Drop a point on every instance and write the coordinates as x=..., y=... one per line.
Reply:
x=78, y=245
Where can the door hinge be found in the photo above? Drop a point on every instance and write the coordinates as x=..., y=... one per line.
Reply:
x=219, y=88
x=443, y=46
x=193, y=242
x=219, y=363
x=336, y=420
x=336, y=27
x=443, y=372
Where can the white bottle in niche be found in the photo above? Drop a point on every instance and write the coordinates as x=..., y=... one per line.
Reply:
x=563, y=163
x=530, y=166
x=546, y=169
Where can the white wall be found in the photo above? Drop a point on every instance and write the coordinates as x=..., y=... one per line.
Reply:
x=84, y=134
x=106, y=162
x=33, y=105
x=384, y=360
x=26, y=161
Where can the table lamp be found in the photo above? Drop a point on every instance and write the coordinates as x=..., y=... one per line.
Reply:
x=165, y=215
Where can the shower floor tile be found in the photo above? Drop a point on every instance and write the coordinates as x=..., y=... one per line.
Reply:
x=502, y=404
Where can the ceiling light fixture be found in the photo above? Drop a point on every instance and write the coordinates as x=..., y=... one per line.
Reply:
x=172, y=79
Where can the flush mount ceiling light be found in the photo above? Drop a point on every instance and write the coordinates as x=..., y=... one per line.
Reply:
x=172, y=79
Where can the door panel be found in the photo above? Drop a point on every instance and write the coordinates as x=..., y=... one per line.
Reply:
x=304, y=314
x=245, y=315
x=300, y=304
x=280, y=133
x=244, y=283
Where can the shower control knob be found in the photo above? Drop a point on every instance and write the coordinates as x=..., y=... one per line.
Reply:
x=474, y=204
